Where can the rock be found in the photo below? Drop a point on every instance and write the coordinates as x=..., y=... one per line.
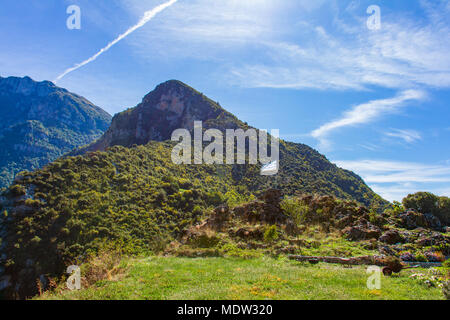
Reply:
x=391, y=237
x=362, y=232
x=407, y=257
x=433, y=239
x=247, y=233
x=433, y=222
x=413, y=220
x=433, y=257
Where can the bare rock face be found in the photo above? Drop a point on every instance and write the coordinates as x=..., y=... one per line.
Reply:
x=172, y=105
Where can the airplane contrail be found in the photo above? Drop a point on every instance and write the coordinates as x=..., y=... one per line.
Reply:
x=148, y=15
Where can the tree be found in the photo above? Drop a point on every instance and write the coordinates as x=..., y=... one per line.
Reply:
x=444, y=210
x=424, y=202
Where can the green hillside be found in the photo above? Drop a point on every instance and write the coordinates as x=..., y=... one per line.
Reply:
x=136, y=199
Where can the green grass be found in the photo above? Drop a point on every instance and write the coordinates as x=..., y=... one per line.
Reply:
x=171, y=278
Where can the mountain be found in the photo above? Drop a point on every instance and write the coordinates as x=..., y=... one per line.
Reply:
x=172, y=105
x=123, y=191
x=41, y=122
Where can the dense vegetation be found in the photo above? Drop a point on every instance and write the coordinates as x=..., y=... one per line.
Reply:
x=41, y=122
x=135, y=199
x=429, y=203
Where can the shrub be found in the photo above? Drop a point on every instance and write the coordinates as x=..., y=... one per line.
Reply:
x=426, y=202
x=271, y=234
x=444, y=210
x=420, y=257
x=295, y=209
x=423, y=202
x=105, y=265
x=18, y=190
x=446, y=264
x=446, y=289
x=396, y=209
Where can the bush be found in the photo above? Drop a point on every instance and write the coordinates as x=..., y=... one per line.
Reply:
x=423, y=202
x=295, y=209
x=446, y=264
x=421, y=257
x=426, y=202
x=18, y=190
x=446, y=290
x=106, y=265
x=271, y=234
x=444, y=210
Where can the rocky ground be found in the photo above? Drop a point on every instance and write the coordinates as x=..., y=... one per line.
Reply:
x=410, y=236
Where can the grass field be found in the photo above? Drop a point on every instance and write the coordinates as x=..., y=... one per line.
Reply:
x=161, y=278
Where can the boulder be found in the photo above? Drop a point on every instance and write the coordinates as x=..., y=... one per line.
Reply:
x=362, y=232
x=433, y=221
x=247, y=233
x=391, y=237
x=413, y=220
x=432, y=240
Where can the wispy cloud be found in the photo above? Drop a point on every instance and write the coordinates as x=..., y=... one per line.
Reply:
x=379, y=171
x=408, y=136
x=393, y=180
x=366, y=113
x=405, y=53
x=148, y=15
x=280, y=44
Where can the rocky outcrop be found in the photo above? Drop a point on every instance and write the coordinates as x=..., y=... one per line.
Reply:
x=171, y=106
x=362, y=231
x=412, y=220
x=264, y=211
x=391, y=237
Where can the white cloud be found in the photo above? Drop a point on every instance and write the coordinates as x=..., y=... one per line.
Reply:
x=405, y=53
x=366, y=113
x=409, y=136
x=393, y=180
x=280, y=44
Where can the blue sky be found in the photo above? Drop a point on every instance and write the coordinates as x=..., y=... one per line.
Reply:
x=373, y=101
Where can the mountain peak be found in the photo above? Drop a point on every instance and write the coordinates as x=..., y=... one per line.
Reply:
x=40, y=122
x=171, y=105
x=28, y=86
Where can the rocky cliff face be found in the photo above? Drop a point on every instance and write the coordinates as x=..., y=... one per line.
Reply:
x=41, y=122
x=172, y=105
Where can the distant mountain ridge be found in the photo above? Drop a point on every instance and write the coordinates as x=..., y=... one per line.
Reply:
x=41, y=122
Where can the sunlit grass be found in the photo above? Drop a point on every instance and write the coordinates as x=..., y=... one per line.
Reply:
x=170, y=278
